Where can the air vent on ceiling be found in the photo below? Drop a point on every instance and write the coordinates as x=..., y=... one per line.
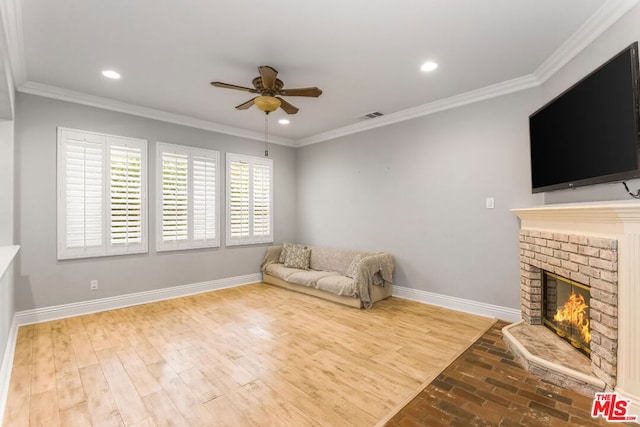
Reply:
x=371, y=115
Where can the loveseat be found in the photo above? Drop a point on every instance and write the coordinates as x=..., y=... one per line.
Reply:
x=354, y=278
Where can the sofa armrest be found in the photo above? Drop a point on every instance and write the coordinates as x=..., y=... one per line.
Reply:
x=272, y=256
x=378, y=268
x=373, y=268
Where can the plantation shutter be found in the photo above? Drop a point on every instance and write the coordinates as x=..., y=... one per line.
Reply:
x=262, y=200
x=249, y=200
x=126, y=196
x=80, y=194
x=101, y=194
x=174, y=197
x=239, y=199
x=188, y=206
x=204, y=200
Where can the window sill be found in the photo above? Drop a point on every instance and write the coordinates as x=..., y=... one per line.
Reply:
x=249, y=242
x=190, y=248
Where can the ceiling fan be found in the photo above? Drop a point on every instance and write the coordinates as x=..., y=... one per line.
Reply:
x=269, y=87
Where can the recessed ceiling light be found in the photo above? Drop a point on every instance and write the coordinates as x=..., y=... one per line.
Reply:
x=111, y=74
x=284, y=121
x=429, y=66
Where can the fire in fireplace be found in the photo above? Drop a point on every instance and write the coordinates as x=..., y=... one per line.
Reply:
x=566, y=309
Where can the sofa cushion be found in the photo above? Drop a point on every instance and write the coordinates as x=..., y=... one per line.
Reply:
x=332, y=259
x=309, y=278
x=338, y=285
x=280, y=271
x=285, y=250
x=297, y=257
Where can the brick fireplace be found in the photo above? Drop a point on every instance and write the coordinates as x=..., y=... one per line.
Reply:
x=598, y=245
x=590, y=260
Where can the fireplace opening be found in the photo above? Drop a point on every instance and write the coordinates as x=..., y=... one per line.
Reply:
x=565, y=310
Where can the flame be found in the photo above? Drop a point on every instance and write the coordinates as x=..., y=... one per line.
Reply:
x=574, y=312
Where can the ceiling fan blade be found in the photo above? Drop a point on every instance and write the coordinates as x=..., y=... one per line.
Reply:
x=268, y=75
x=246, y=105
x=288, y=108
x=303, y=91
x=230, y=86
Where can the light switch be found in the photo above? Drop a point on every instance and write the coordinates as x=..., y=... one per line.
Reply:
x=489, y=202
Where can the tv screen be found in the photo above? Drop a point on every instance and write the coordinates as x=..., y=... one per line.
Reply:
x=589, y=133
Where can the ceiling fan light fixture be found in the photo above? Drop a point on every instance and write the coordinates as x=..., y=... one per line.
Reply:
x=267, y=103
x=271, y=88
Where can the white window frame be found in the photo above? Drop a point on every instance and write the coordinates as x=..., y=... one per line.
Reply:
x=105, y=142
x=190, y=242
x=252, y=162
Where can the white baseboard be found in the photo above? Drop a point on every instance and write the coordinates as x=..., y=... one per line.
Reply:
x=45, y=314
x=7, y=365
x=459, y=304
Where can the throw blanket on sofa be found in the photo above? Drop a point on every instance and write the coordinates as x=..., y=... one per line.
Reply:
x=374, y=270
x=272, y=256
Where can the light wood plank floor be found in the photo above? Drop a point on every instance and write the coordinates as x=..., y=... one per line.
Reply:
x=251, y=355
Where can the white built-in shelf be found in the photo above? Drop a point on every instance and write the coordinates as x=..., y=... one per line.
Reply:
x=7, y=253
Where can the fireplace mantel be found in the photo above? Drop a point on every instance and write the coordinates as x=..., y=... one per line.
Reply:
x=619, y=220
x=604, y=217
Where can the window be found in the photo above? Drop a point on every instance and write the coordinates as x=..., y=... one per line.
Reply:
x=187, y=182
x=102, y=193
x=249, y=200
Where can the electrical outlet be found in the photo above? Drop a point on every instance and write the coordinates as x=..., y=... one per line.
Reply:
x=93, y=285
x=489, y=203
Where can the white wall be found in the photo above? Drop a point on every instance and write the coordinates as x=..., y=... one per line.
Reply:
x=614, y=40
x=43, y=281
x=417, y=190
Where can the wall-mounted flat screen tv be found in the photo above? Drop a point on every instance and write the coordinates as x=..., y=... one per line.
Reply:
x=590, y=133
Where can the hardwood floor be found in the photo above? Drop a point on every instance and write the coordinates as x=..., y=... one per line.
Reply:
x=251, y=355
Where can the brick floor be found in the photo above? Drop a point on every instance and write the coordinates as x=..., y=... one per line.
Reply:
x=486, y=387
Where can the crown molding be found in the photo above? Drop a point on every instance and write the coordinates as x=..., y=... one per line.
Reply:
x=592, y=28
x=61, y=94
x=600, y=21
x=499, y=89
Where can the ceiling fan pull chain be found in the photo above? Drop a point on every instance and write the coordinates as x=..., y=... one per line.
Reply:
x=266, y=134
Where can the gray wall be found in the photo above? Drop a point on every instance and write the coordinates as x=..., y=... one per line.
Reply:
x=42, y=281
x=417, y=190
x=612, y=41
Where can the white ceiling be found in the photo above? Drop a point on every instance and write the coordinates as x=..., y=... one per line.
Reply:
x=364, y=55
